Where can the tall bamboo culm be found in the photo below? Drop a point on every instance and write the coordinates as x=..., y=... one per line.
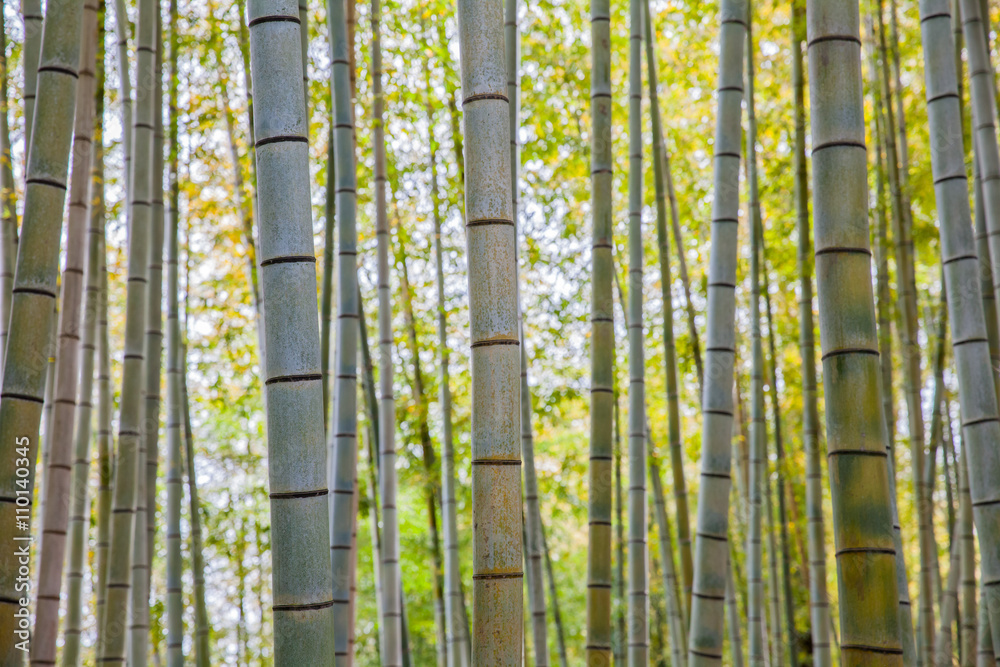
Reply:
x=80, y=515
x=969, y=335
x=59, y=472
x=342, y=448
x=34, y=296
x=112, y=648
x=392, y=647
x=302, y=580
x=637, y=577
x=968, y=602
x=705, y=638
x=175, y=413
x=142, y=546
x=123, y=30
x=31, y=15
x=859, y=469
x=105, y=454
x=491, y=237
x=758, y=424
x=819, y=602
x=602, y=342
x=660, y=176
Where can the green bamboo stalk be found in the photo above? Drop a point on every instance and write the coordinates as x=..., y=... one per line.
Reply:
x=599, y=576
x=819, y=601
x=774, y=583
x=497, y=599
x=152, y=371
x=711, y=545
x=391, y=575
x=8, y=193
x=303, y=582
x=968, y=562
x=123, y=30
x=31, y=15
x=943, y=641
x=80, y=518
x=669, y=351
x=304, y=41
x=984, y=654
x=130, y=471
x=59, y=471
x=342, y=435
x=858, y=459
x=326, y=291
x=175, y=468
x=733, y=619
x=758, y=427
x=48, y=401
x=619, y=630
x=638, y=578
x=969, y=336
x=105, y=446
x=34, y=296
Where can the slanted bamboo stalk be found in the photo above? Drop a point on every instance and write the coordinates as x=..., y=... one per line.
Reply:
x=8, y=191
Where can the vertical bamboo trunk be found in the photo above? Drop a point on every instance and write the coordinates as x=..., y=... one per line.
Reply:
x=599, y=577
x=301, y=574
x=669, y=351
x=152, y=370
x=175, y=372
x=859, y=469
x=326, y=291
x=554, y=597
x=342, y=434
x=8, y=193
x=34, y=295
x=638, y=578
x=733, y=619
x=60, y=466
x=31, y=15
x=498, y=604
x=758, y=425
x=80, y=515
x=619, y=642
x=391, y=578
x=105, y=446
x=123, y=30
x=943, y=641
x=969, y=336
x=711, y=545
x=819, y=601
x=968, y=562
x=984, y=655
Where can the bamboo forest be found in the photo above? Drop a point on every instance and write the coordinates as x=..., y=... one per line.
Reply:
x=412, y=333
